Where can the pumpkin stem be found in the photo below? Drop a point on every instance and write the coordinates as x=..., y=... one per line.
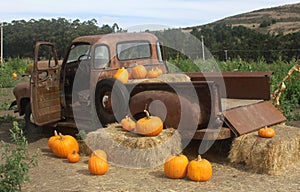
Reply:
x=61, y=136
x=199, y=158
x=55, y=133
x=147, y=114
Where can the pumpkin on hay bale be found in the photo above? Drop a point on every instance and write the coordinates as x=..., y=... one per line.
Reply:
x=130, y=149
x=267, y=155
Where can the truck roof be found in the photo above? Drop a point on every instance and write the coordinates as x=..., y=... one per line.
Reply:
x=116, y=37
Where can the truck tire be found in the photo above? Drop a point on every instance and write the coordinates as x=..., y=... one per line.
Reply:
x=27, y=114
x=111, y=101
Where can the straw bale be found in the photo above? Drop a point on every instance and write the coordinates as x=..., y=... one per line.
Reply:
x=128, y=149
x=169, y=77
x=269, y=156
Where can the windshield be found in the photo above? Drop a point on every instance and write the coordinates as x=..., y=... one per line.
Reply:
x=133, y=50
x=79, y=52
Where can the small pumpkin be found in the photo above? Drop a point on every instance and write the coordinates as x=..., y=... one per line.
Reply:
x=73, y=157
x=159, y=71
x=14, y=75
x=149, y=125
x=152, y=73
x=122, y=75
x=128, y=124
x=175, y=167
x=97, y=165
x=199, y=169
x=139, y=72
x=52, y=139
x=64, y=145
x=266, y=132
x=100, y=153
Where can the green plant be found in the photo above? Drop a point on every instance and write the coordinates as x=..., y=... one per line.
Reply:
x=80, y=136
x=4, y=104
x=7, y=118
x=17, y=161
x=17, y=66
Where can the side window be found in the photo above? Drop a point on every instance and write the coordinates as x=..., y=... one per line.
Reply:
x=101, y=59
x=79, y=52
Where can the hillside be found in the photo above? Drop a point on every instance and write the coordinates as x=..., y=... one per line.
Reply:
x=283, y=19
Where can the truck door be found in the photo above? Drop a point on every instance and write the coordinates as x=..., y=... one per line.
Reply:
x=45, y=91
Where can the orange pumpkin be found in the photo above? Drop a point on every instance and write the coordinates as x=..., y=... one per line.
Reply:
x=149, y=125
x=199, y=170
x=100, y=153
x=52, y=139
x=64, y=145
x=176, y=166
x=152, y=73
x=139, y=72
x=97, y=165
x=73, y=157
x=14, y=75
x=266, y=132
x=122, y=75
x=128, y=124
x=159, y=71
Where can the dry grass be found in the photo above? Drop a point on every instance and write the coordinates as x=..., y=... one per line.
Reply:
x=129, y=149
x=270, y=156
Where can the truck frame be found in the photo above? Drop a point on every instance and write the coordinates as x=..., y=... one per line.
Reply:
x=83, y=85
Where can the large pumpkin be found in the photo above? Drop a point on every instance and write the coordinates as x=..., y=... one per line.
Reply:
x=199, y=169
x=266, y=132
x=64, y=145
x=139, y=72
x=128, y=124
x=175, y=167
x=149, y=125
x=97, y=165
x=122, y=75
x=52, y=139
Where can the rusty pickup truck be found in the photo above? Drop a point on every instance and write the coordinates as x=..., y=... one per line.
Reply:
x=70, y=93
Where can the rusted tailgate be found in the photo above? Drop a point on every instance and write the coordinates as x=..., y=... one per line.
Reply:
x=245, y=119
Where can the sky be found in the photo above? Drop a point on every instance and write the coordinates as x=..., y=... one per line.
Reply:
x=130, y=13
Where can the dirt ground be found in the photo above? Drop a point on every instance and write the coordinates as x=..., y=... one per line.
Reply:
x=56, y=174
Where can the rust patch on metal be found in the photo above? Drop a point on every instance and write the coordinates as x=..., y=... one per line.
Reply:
x=246, y=119
x=238, y=85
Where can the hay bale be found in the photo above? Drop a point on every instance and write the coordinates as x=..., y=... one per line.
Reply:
x=168, y=77
x=270, y=156
x=128, y=149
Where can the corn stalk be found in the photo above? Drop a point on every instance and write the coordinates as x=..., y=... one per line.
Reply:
x=282, y=86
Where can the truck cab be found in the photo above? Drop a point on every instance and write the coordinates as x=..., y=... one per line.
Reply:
x=51, y=94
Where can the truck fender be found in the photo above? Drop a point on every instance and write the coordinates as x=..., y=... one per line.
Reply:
x=175, y=110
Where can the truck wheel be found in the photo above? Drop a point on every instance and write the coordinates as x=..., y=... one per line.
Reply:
x=111, y=100
x=28, y=123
